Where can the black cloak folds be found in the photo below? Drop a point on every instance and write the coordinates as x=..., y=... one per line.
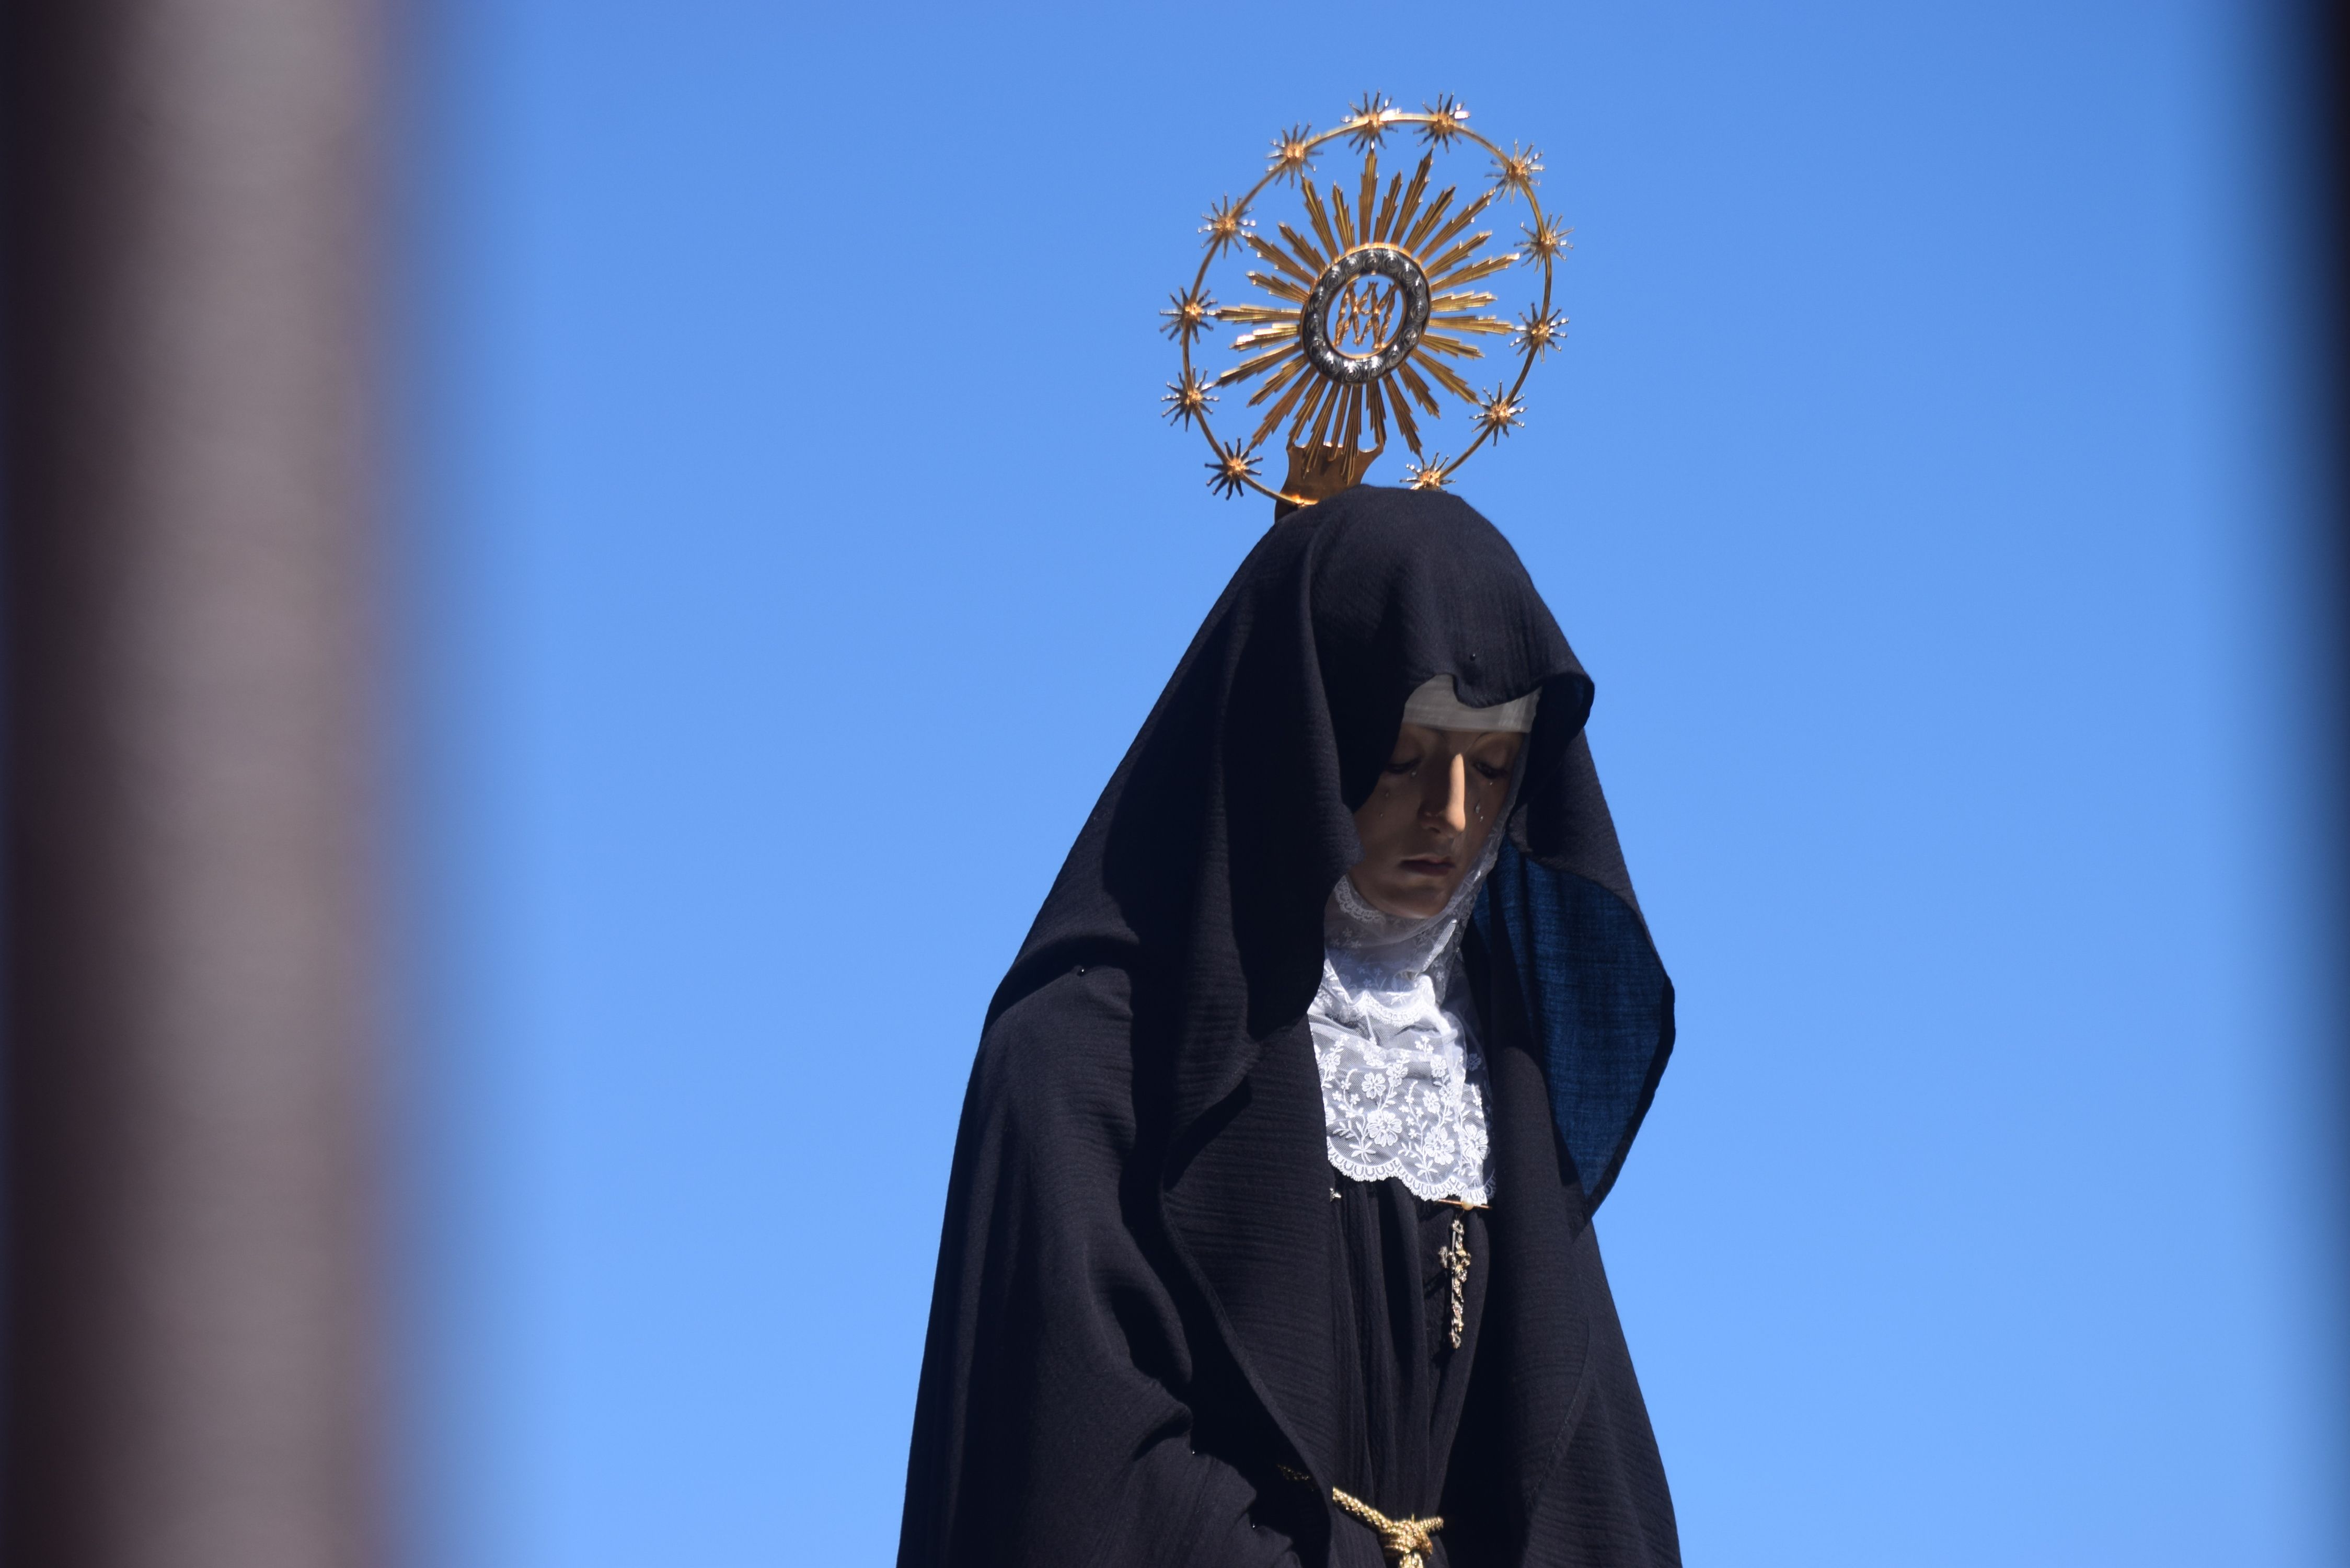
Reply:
x=1130, y=1356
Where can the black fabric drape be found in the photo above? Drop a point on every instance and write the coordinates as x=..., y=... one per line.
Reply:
x=1401, y=1386
x=1131, y=1354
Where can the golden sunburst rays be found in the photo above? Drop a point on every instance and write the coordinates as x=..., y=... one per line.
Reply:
x=1317, y=400
x=1299, y=260
x=1319, y=217
x=1373, y=304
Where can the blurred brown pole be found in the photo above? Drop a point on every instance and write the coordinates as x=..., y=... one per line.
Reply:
x=189, y=1226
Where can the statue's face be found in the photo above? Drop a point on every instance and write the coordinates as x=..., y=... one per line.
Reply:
x=1427, y=820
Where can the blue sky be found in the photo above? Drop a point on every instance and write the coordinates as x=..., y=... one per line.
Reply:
x=792, y=547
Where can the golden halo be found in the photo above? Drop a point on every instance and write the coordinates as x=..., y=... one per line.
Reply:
x=1371, y=310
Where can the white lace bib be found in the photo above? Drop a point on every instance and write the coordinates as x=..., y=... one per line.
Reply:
x=1403, y=1082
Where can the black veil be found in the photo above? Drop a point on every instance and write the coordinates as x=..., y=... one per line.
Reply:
x=1127, y=1350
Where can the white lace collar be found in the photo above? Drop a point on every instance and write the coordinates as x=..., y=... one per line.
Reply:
x=1403, y=1081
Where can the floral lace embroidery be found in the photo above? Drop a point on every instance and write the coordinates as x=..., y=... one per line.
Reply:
x=1403, y=1082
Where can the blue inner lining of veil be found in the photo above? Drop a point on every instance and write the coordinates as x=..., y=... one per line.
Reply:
x=1596, y=999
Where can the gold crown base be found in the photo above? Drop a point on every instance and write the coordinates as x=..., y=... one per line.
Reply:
x=1319, y=471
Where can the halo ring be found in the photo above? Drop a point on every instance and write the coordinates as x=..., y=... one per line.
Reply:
x=1276, y=174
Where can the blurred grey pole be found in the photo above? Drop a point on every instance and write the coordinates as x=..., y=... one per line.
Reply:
x=190, y=1225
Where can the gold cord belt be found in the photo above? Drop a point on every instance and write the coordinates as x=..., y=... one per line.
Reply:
x=1407, y=1541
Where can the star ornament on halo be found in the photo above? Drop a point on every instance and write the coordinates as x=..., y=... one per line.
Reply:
x=1539, y=333
x=1364, y=303
x=1233, y=471
x=1187, y=314
x=1188, y=398
x=1448, y=117
x=1368, y=120
x=1499, y=413
x=1292, y=153
x=1430, y=475
x=1227, y=223
x=1544, y=240
x=1516, y=170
